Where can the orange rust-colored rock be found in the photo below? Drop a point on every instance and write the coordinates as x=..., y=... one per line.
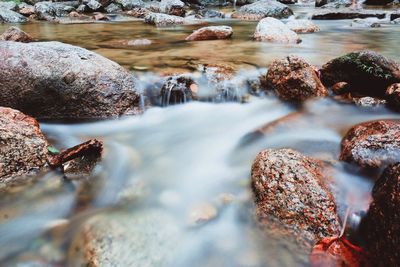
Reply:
x=211, y=33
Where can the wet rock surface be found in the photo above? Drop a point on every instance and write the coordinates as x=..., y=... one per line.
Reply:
x=393, y=96
x=52, y=80
x=16, y=35
x=302, y=26
x=211, y=33
x=273, y=30
x=23, y=148
x=163, y=20
x=294, y=80
x=9, y=16
x=347, y=13
x=172, y=7
x=144, y=238
x=262, y=9
x=380, y=227
x=290, y=191
x=372, y=144
x=177, y=89
x=367, y=72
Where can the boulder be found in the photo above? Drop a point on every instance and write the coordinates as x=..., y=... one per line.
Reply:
x=9, y=16
x=130, y=4
x=291, y=192
x=113, y=8
x=294, y=80
x=23, y=148
x=16, y=35
x=144, y=238
x=367, y=73
x=10, y=5
x=393, y=96
x=26, y=10
x=372, y=144
x=172, y=7
x=93, y=5
x=380, y=228
x=347, y=13
x=273, y=30
x=211, y=33
x=210, y=13
x=50, y=11
x=52, y=80
x=302, y=26
x=262, y=9
x=139, y=42
x=163, y=20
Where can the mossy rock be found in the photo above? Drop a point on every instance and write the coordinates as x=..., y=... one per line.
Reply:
x=367, y=72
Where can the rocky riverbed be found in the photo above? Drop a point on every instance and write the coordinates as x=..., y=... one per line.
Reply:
x=199, y=133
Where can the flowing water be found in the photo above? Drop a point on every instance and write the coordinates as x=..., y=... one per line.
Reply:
x=171, y=160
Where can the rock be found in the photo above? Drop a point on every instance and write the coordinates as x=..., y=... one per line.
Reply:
x=395, y=15
x=144, y=238
x=288, y=2
x=99, y=16
x=138, y=12
x=139, y=42
x=201, y=213
x=393, y=96
x=211, y=33
x=52, y=80
x=262, y=9
x=23, y=148
x=162, y=20
x=25, y=9
x=377, y=2
x=50, y=11
x=367, y=72
x=177, y=89
x=372, y=144
x=113, y=8
x=365, y=23
x=294, y=80
x=93, y=5
x=302, y=26
x=172, y=7
x=395, y=21
x=130, y=4
x=9, y=16
x=333, y=4
x=9, y=6
x=291, y=191
x=273, y=30
x=380, y=228
x=16, y=35
x=340, y=88
x=210, y=13
x=347, y=13
x=82, y=9
x=368, y=101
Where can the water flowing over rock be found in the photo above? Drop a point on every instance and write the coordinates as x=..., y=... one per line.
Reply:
x=273, y=30
x=262, y=9
x=372, y=144
x=294, y=80
x=365, y=23
x=145, y=238
x=172, y=7
x=177, y=89
x=302, y=26
x=53, y=80
x=23, y=148
x=367, y=72
x=380, y=227
x=9, y=16
x=163, y=20
x=291, y=191
x=16, y=35
x=211, y=33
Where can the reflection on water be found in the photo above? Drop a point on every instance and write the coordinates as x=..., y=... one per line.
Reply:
x=169, y=50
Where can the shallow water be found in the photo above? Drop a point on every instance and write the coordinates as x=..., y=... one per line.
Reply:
x=175, y=158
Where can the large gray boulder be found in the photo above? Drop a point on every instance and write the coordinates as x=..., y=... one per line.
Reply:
x=52, y=80
x=9, y=16
x=262, y=9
